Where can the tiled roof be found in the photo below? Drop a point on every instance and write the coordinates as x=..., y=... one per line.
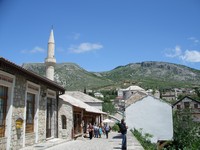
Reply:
x=83, y=97
x=78, y=103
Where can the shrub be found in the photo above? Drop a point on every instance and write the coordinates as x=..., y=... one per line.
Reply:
x=144, y=140
x=115, y=128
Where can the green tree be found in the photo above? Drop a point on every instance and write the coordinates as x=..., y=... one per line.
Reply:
x=186, y=131
x=108, y=107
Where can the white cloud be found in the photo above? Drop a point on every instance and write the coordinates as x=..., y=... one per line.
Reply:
x=85, y=47
x=173, y=52
x=194, y=40
x=191, y=56
x=188, y=55
x=36, y=49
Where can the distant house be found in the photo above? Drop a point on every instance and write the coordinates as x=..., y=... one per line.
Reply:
x=188, y=103
x=125, y=96
x=169, y=95
x=153, y=116
x=97, y=94
x=155, y=93
x=128, y=92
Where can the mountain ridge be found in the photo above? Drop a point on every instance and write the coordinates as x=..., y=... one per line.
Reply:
x=148, y=74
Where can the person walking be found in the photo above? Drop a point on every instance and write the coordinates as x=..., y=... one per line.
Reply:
x=123, y=130
x=107, y=130
x=100, y=131
x=90, y=130
x=96, y=131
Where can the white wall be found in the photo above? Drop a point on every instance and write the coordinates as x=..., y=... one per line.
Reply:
x=153, y=116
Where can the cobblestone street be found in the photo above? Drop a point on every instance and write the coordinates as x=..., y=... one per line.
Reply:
x=112, y=143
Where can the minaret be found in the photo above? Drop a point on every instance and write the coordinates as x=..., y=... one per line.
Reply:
x=50, y=61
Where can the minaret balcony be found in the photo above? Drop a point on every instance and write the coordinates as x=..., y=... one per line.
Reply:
x=50, y=61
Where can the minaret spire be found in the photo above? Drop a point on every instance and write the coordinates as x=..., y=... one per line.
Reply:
x=50, y=61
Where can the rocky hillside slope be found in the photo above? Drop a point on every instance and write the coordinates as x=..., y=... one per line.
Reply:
x=146, y=74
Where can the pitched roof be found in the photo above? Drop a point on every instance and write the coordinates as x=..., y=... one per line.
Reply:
x=6, y=63
x=135, y=97
x=83, y=97
x=184, y=98
x=135, y=88
x=78, y=103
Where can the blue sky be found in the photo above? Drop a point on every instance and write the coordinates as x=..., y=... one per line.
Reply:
x=100, y=35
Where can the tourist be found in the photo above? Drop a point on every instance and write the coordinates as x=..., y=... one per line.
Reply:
x=96, y=131
x=123, y=130
x=100, y=131
x=90, y=130
x=107, y=129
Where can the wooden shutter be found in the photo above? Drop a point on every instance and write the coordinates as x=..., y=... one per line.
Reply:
x=3, y=109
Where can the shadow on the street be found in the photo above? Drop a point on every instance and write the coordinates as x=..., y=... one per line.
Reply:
x=117, y=137
x=117, y=148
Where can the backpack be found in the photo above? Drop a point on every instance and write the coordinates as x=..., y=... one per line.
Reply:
x=123, y=129
x=107, y=128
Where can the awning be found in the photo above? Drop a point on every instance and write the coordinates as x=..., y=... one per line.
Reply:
x=78, y=103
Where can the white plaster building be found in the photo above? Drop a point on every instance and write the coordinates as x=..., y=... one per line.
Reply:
x=153, y=116
x=97, y=94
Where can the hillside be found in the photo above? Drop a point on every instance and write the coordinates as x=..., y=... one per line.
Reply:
x=146, y=74
x=71, y=76
x=155, y=74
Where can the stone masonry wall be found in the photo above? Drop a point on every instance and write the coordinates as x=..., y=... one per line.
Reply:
x=42, y=117
x=65, y=109
x=18, y=112
x=3, y=143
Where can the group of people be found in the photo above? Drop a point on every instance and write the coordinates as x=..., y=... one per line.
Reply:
x=96, y=130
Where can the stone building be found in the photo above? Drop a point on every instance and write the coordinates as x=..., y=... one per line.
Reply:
x=190, y=104
x=82, y=113
x=28, y=107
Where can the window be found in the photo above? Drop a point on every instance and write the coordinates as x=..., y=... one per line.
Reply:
x=3, y=105
x=186, y=104
x=195, y=105
x=178, y=106
x=30, y=113
x=64, y=122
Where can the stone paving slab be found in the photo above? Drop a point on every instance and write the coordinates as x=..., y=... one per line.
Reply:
x=112, y=143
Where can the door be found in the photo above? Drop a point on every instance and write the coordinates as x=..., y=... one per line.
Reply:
x=49, y=116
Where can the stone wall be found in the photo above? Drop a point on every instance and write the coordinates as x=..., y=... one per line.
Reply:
x=3, y=143
x=18, y=112
x=42, y=117
x=29, y=139
x=65, y=109
x=17, y=138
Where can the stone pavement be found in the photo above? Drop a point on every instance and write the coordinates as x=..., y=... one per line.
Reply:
x=112, y=143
